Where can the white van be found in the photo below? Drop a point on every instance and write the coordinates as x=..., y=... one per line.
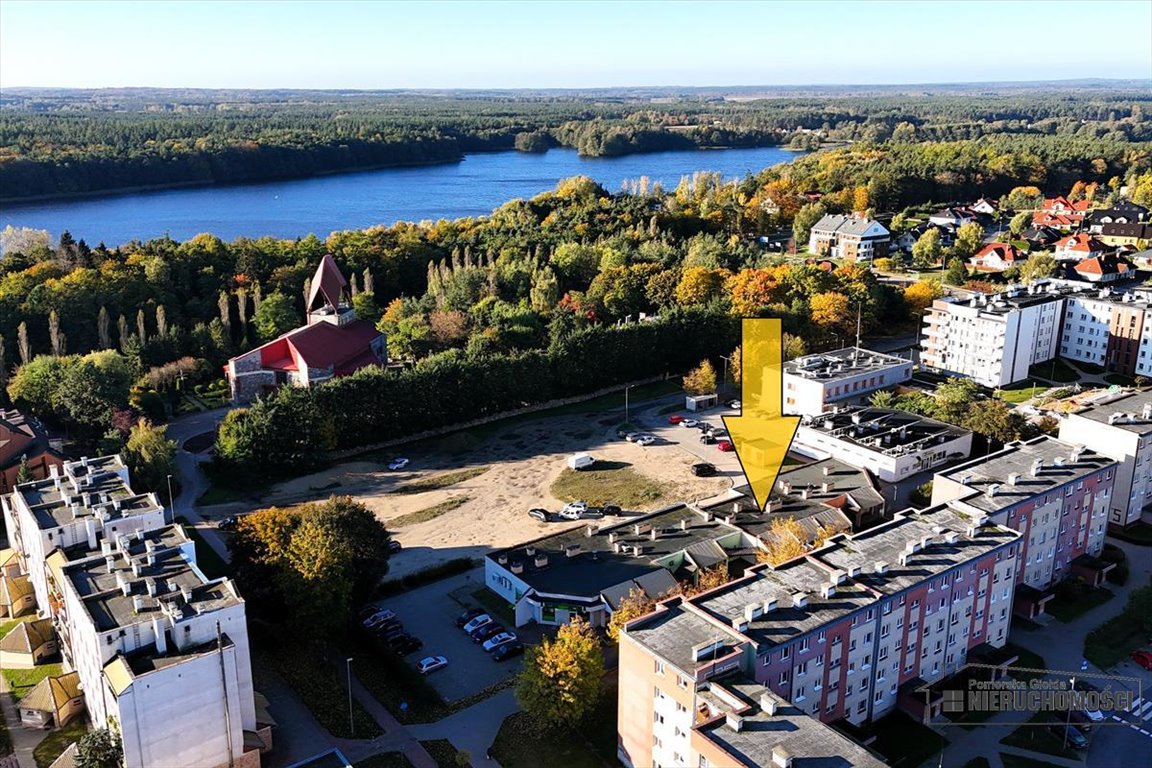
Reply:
x=579, y=461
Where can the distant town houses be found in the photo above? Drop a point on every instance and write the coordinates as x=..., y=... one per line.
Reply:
x=816, y=383
x=997, y=257
x=24, y=442
x=1078, y=246
x=1109, y=268
x=1124, y=212
x=953, y=217
x=333, y=343
x=853, y=238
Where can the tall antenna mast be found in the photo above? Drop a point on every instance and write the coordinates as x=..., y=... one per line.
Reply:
x=856, y=349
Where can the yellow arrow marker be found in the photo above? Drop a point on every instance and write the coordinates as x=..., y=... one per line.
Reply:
x=762, y=433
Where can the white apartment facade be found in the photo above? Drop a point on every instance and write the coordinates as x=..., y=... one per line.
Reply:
x=993, y=340
x=814, y=383
x=1119, y=426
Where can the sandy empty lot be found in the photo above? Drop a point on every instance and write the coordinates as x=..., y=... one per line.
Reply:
x=524, y=458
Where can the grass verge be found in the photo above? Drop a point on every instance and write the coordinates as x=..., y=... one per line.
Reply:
x=57, y=741
x=436, y=482
x=443, y=753
x=1068, y=608
x=902, y=741
x=1055, y=370
x=1022, y=391
x=608, y=482
x=521, y=743
x=207, y=558
x=1037, y=738
x=1112, y=641
x=8, y=625
x=20, y=681
x=429, y=513
x=424, y=576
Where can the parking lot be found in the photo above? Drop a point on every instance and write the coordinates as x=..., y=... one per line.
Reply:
x=688, y=438
x=429, y=613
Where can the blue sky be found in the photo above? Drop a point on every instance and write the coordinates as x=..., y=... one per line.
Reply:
x=478, y=44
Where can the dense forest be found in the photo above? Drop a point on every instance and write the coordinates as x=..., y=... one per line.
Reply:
x=55, y=143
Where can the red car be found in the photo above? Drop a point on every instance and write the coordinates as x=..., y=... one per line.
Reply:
x=725, y=446
x=1143, y=658
x=675, y=419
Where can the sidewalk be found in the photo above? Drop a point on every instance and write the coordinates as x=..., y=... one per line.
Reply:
x=473, y=729
x=24, y=740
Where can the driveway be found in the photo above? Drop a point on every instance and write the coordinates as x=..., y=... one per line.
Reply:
x=429, y=613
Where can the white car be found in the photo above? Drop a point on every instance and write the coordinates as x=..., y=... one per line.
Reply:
x=734, y=405
x=645, y=440
x=1094, y=715
x=689, y=423
x=477, y=622
x=498, y=639
x=574, y=510
x=396, y=464
x=431, y=664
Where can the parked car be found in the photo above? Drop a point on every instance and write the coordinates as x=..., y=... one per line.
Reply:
x=1073, y=735
x=487, y=631
x=1094, y=715
x=227, y=523
x=375, y=623
x=707, y=438
x=645, y=440
x=574, y=510
x=397, y=464
x=372, y=609
x=689, y=423
x=539, y=514
x=394, y=546
x=675, y=419
x=717, y=432
x=704, y=469
x=476, y=622
x=507, y=650
x=629, y=436
x=704, y=426
x=1080, y=720
x=1143, y=658
x=431, y=664
x=405, y=644
x=388, y=634
x=497, y=640
x=724, y=446
x=467, y=616
x=734, y=404
x=610, y=510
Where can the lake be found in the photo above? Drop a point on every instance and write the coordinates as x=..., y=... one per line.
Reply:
x=289, y=209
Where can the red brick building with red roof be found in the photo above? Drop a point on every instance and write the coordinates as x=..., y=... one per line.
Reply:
x=333, y=343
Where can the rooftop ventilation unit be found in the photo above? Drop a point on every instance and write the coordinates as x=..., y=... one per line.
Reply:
x=1037, y=466
x=799, y=600
x=1076, y=453
x=770, y=605
x=767, y=704
x=880, y=567
x=1013, y=478
x=992, y=489
x=753, y=611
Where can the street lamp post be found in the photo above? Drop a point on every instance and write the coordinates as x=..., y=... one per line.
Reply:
x=627, y=420
x=348, y=668
x=724, y=379
x=171, y=499
x=1068, y=722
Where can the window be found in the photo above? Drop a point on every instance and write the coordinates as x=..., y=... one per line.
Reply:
x=681, y=681
x=659, y=667
x=820, y=636
x=784, y=653
x=783, y=678
x=804, y=645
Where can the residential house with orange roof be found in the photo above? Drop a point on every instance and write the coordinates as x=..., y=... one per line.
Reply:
x=997, y=257
x=1077, y=247
x=1104, y=269
x=23, y=440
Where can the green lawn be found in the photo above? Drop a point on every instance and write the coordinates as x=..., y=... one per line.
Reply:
x=1038, y=738
x=57, y=741
x=207, y=558
x=1067, y=609
x=443, y=753
x=219, y=493
x=1022, y=391
x=23, y=680
x=1111, y=642
x=905, y=743
x=429, y=513
x=1119, y=379
x=1027, y=660
x=495, y=605
x=385, y=760
x=5, y=737
x=607, y=482
x=436, y=482
x=520, y=744
x=391, y=680
x=1055, y=370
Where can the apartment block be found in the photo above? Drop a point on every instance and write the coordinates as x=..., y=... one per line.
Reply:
x=995, y=339
x=892, y=445
x=1119, y=425
x=992, y=339
x=160, y=650
x=1057, y=495
x=845, y=631
x=814, y=383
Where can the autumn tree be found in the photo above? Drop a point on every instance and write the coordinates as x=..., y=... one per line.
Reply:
x=1037, y=267
x=100, y=748
x=150, y=456
x=736, y=366
x=884, y=398
x=957, y=272
x=920, y=295
x=927, y=250
x=969, y=239
x=563, y=679
x=784, y=541
x=1020, y=222
x=752, y=291
x=276, y=315
x=709, y=578
x=794, y=346
x=698, y=285
x=637, y=603
x=805, y=219
x=830, y=310
x=701, y=380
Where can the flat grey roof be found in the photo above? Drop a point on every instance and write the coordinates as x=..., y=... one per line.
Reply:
x=811, y=743
x=842, y=363
x=1057, y=468
x=672, y=632
x=883, y=430
x=86, y=488
x=1129, y=406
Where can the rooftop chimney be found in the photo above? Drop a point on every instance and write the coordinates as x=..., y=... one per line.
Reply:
x=799, y=600
x=655, y=533
x=950, y=537
x=137, y=603
x=150, y=584
x=827, y=471
x=123, y=583
x=827, y=591
x=753, y=611
x=836, y=577
x=1037, y=465
x=517, y=567
x=1146, y=411
x=541, y=560
x=781, y=758
x=1076, y=453
x=684, y=524
x=590, y=531
x=992, y=489
x=880, y=567
x=770, y=605
x=853, y=571
x=767, y=704
x=827, y=486
x=529, y=550
x=1013, y=478
x=161, y=638
x=613, y=537
x=734, y=721
x=804, y=493
x=1115, y=418
x=572, y=550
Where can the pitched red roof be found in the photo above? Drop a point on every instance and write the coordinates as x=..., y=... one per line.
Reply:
x=1003, y=251
x=1062, y=204
x=326, y=345
x=1080, y=243
x=1103, y=265
x=327, y=282
x=1047, y=219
